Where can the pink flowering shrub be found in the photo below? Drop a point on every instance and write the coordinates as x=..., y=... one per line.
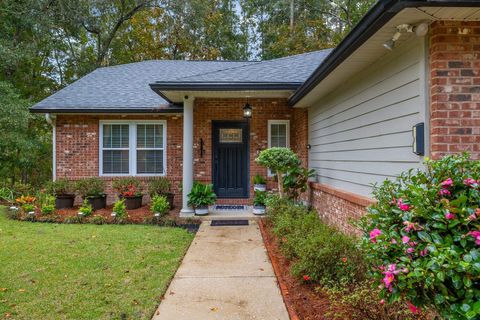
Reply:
x=422, y=238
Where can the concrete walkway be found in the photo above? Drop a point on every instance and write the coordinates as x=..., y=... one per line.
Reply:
x=226, y=274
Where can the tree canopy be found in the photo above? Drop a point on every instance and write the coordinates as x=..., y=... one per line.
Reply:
x=47, y=44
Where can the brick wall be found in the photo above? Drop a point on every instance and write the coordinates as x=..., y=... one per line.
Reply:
x=77, y=148
x=77, y=140
x=338, y=207
x=455, y=88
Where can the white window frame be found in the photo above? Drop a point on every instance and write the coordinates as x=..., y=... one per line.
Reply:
x=132, y=148
x=270, y=122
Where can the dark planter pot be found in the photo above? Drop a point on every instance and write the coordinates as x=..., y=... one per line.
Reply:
x=133, y=202
x=98, y=202
x=64, y=201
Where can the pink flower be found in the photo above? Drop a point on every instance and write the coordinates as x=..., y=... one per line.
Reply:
x=472, y=217
x=445, y=192
x=405, y=239
x=374, y=234
x=476, y=235
x=413, y=309
x=447, y=183
x=410, y=250
x=424, y=252
x=411, y=226
x=449, y=216
x=469, y=182
x=382, y=301
x=402, y=206
x=390, y=276
x=393, y=241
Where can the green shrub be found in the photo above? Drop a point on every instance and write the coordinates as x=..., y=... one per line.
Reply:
x=60, y=187
x=295, y=181
x=159, y=205
x=128, y=187
x=73, y=219
x=97, y=219
x=7, y=195
x=86, y=208
x=279, y=160
x=90, y=187
x=160, y=185
x=360, y=302
x=28, y=207
x=317, y=251
x=423, y=237
x=120, y=209
x=47, y=204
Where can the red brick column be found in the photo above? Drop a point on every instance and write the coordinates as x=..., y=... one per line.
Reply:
x=454, y=88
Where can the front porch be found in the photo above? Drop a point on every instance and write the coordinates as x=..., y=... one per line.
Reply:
x=220, y=145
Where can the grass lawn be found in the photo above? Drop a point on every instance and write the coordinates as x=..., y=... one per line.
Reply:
x=55, y=271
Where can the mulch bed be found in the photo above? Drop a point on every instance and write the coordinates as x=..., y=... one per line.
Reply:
x=303, y=302
x=134, y=216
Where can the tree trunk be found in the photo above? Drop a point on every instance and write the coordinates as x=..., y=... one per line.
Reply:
x=280, y=183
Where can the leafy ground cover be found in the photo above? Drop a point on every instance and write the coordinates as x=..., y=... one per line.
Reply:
x=63, y=271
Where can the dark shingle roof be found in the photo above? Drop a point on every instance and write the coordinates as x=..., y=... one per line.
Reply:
x=126, y=87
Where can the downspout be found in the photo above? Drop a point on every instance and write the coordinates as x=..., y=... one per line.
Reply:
x=51, y=121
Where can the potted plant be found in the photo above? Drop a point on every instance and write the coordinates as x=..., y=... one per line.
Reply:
x=159, y=206
x=63, y=191
x=92, y=190
x=259, y=183
x=130, y=190
x=259, y=202
x=200, y=197
x=161, y=186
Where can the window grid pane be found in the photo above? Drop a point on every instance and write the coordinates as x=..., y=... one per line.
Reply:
x=115, y=136
x=150, y=161
x=115, y=161
x=150, y=136
x=278, y=135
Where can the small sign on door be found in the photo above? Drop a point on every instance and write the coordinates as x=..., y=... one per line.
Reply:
x=232, y=135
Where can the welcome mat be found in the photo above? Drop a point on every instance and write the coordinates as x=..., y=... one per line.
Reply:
x=230, y=207
x=223, y=223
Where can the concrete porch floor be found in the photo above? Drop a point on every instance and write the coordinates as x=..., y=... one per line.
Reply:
x=228, y=215
x=226, y=274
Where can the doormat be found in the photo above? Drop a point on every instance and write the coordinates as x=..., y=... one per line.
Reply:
x=230, y=207
x=223, y=223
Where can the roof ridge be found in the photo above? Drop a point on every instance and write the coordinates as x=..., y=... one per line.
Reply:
x=219, y=70
x=173, y=61
x=251, y=64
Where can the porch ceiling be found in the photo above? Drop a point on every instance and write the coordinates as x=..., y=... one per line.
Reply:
x=177, y=96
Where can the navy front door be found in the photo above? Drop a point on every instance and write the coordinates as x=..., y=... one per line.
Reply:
x=230, y=170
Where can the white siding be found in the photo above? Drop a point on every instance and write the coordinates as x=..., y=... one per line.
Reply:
x=361, y=133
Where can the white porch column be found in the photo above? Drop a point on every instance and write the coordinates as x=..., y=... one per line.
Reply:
x=187, y=154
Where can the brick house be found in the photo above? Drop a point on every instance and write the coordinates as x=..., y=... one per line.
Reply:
x=409, y=68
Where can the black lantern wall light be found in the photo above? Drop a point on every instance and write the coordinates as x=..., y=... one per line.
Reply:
x=247, y=111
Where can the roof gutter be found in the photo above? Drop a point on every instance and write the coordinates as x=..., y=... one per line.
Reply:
x=222, y=86
x=375, y=18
